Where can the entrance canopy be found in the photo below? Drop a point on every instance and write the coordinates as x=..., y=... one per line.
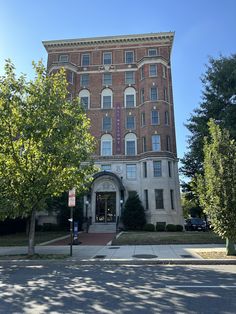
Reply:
x=113, y=176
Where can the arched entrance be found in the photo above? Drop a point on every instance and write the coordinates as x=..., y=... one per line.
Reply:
x=106, y=197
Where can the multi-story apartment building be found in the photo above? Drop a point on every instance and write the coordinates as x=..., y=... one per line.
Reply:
x=125, y=86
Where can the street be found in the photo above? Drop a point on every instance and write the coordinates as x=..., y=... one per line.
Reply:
x=58, y=287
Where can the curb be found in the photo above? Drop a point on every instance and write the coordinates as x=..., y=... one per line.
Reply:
x=91, y=262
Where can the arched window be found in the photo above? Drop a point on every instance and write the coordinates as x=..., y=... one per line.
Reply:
x=106, y=145
x=130, y=97
x=84, y=96
x=106, y=98
x=130, y=144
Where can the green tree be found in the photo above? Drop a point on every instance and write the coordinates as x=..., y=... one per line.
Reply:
x=219, y=103
x=44, y=139
x=133, y=215
x=217, y=186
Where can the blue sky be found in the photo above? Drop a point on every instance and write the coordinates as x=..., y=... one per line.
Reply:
x=202, y=29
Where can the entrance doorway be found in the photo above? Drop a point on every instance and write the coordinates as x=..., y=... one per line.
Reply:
x=105, y=207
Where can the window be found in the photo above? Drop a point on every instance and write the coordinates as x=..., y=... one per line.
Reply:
x=152, y=70
x=164, y=71
x=143, y=120
x=159, y=199
x=129, y=57
x=130, y=144
x=106, y=167
x=152, y=52
x=157, y=169
x=107, y=79
x=165, y=94
x=153, y=93
x=106, y=123
x=172, y=199
x=146, y=199
x=156, y=143
x=84, y=96
x=167, y=119
x=130, y=122
x=84, y=102
x=85, y=59
x=106, y=145
x=145, y=169
x=168, y=146
x=130, y=97
x=155, y=117
x=84, y=80
x=131, y=172
x=63, y=58
x=129, y=77
x=144, y=144
x=169, y=169
x=107, y=58
x=106, y=98
x=142, y=73
x=70, y=77
x=142, y=95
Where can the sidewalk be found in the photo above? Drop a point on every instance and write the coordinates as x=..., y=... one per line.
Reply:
x=130, y=254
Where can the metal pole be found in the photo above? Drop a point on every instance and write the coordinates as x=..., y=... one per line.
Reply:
x=71, y=229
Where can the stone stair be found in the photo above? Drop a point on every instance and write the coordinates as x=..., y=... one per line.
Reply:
x=102, y=228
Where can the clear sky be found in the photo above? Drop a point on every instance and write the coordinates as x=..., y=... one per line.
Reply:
x=202, y=28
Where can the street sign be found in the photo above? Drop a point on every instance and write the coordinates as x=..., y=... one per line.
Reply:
x=71, y=199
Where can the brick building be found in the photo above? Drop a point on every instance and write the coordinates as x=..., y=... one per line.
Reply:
x=124, y=83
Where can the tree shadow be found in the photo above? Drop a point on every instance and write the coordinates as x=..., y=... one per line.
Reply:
x=64, y=288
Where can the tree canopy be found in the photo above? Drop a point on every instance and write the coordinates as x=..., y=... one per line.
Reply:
x=217, y=186
x=219, y=103
x=45, y=144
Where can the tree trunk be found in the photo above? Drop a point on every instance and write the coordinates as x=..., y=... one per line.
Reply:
x=230, y=248
x=31, y=233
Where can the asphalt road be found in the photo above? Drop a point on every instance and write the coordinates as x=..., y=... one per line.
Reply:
x=62, y=288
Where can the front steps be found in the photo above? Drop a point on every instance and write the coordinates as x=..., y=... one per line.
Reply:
x=102, y=228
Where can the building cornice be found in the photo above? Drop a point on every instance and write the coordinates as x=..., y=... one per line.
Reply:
x=162, y=37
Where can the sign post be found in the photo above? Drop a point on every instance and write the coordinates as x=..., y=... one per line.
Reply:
x=71, y=204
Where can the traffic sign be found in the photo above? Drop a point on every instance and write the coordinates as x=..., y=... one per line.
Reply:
x=71, y=199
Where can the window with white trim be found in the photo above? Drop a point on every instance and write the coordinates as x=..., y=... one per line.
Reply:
x=63, y=58
x=129, y=77
x=107, y=58
x=107, y=79
x=106, y=145
x=167, y=118
x=130, y=97
x=130, y=144
x=143, y=119
x=106, y=123
x=155, y=117
x=130, y=122
x=84, y=79
x=131, y=171
x=164, y=71
x=152, y=52
x=84, y=96
x=106, y=167
x=146, y=199
x=85, y=59
x=106, y=98
x=152, y=70
x=142, y=95
x=157, y=168
x=156, y=143
x=153, y=94
x=172, y=199
x=129, y=57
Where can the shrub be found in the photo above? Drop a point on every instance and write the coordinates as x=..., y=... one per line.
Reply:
x=149, y=227
x=179, y=228
x=160, y=226
x=134, y=216
x=171, y=228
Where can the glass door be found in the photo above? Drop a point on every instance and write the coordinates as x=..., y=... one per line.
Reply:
x=105, y=207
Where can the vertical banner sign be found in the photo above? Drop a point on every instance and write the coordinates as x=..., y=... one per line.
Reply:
x=118, y=128
x=71, y=199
